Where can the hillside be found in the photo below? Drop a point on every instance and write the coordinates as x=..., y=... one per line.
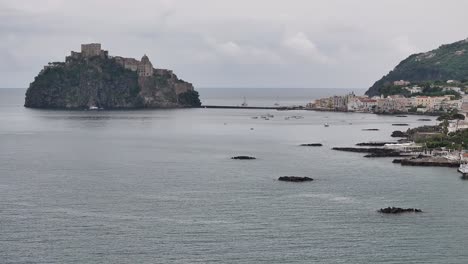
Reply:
x=448, y=62
x=92, y=79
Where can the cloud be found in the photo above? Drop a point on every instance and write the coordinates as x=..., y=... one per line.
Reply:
x=304, y=47
x=242, y=54
x=403, y=45
x=231, y=43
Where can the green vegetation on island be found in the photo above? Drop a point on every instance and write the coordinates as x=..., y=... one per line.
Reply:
x=435, y=88
x=448, y=62
x=436, y=137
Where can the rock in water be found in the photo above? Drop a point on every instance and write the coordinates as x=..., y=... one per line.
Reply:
x=312, y=145
x=92, y=79
x=243, y=158
x=397, y=210
x=294, y=179
x=398, y=133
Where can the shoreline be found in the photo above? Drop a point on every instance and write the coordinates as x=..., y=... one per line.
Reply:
x=288, y=108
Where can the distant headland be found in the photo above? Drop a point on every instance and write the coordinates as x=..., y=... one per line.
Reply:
x=448, y=62
x=91, y=79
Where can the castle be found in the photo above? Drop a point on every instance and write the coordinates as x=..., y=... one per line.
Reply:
x=144, y=68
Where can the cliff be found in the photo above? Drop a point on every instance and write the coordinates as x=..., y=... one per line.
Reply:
x=448, y=62
x=94, y=79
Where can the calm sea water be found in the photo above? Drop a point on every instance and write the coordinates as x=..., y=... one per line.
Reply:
x=160, y=187
x=268, y=97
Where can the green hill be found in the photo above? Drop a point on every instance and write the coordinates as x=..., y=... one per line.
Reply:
x=448, y=62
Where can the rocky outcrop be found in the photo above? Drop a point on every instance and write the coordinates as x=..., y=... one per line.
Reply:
x=243, y=158
x=374, y=144
x=370, y=129
x=397, y=210
x=373, y=152
x=294, y=179
x=398, y=133
x=400, y=124
x=389, y=154
x=100, y=81
x=311, y=145
x=430, y=162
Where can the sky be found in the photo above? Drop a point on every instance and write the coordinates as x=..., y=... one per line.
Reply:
x=232, y=43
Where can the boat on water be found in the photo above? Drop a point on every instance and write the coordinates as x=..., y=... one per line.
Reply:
x=244, y=104
x=276, y=103
x=93, y=108
x=326, y=125
x=463, y=168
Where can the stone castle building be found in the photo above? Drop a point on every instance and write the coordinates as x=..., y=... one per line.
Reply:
x=144, y=68
x=90, y=50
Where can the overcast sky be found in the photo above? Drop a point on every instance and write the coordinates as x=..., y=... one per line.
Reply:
x=232, y=43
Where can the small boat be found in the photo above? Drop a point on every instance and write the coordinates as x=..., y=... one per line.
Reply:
x=254, y=117
x=326, y=125
x=244, y=104
x=93, y=108
x=463, y=168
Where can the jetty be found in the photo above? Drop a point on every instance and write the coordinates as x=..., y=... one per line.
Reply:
x=282, y=108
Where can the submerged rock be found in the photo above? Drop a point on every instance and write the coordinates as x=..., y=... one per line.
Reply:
x=294, y=179
x=311, y=145
x=243, y=158
x=397, y=210
x=400, y=124
x=370, y=129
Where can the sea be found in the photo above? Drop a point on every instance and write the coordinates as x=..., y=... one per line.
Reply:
x=159, y=186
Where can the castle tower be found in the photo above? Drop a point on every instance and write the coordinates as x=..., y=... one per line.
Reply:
x=90, y=50
x=145, y=68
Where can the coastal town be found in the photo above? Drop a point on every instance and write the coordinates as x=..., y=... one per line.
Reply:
x=440, y=145
x=409, y=99
x=412, y=101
